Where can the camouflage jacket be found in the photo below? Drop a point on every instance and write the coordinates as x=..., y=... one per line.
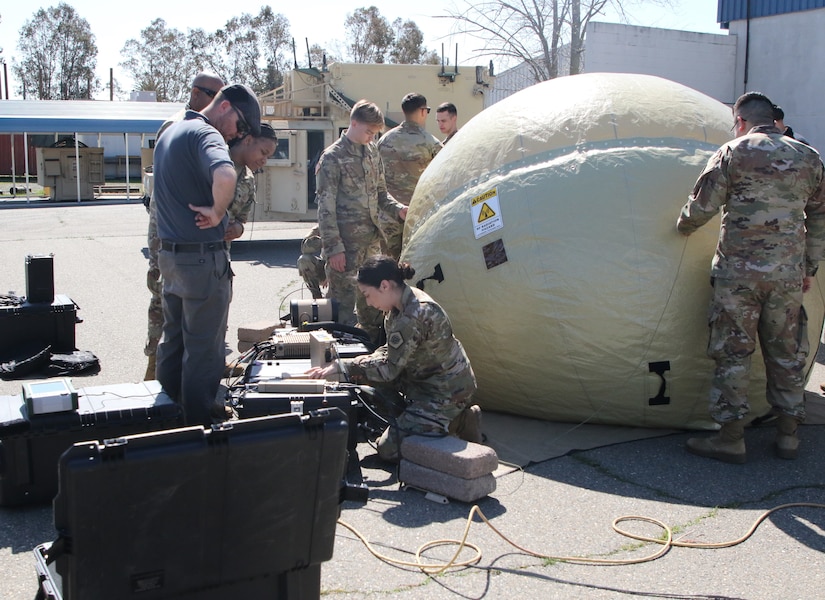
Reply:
x=421, y=354
x=311, y=244
x=771, y=192
x=244, y=198
x=406, y=151
x=350, y=190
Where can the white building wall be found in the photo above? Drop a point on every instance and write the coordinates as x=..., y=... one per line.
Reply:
x=521, y=76
x=785, y=61
x=702, y=61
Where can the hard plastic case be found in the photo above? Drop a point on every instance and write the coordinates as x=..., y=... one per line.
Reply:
x=48, y=323
x=247, y=509
x=31, y=446
x=258, y=404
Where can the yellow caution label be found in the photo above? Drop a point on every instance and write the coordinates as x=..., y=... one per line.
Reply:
x=486, y=213
x=485, y=196
x=485, y=210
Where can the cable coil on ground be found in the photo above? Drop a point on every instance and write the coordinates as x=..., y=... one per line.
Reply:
x=667, y=543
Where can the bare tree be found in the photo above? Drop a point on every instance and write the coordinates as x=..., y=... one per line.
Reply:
x=59, y=55
x=534, y=32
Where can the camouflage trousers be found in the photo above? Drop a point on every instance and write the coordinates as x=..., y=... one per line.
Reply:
x=155, y=285
x=414, y=414
x=312, y=270
x=772, y=312
x=352, y=306
x=392, y=234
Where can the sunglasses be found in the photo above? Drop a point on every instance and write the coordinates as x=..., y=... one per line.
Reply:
x=242, y=126
x=207, y=91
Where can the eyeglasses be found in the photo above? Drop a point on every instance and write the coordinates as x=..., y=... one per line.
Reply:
x=242, y=126
x=207, y=91
x=427, y=108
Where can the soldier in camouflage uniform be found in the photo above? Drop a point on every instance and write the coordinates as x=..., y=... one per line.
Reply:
x=350, y=192
x=422, y=367
x=248, y=154
x=771, y=192
x=446, y=115
x=406, y=151
x=204, y=88
x=311, y=265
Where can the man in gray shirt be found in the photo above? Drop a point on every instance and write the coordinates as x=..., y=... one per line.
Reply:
x=194, y=184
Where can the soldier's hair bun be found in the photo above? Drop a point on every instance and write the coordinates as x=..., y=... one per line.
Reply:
x=407, y=272
x=378, y=268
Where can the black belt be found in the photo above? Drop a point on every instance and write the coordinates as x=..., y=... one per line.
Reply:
x=203, y=247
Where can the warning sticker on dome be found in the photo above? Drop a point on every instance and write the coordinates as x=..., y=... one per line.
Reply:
x=486, y=213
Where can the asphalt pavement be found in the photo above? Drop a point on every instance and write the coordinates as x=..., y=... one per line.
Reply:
x=557, y=508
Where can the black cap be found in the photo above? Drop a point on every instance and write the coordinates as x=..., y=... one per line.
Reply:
x=244, y=99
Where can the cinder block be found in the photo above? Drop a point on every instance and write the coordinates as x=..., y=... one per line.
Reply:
x=244, y=346
x=466, y=490
x=450, y=455
x=256, y=332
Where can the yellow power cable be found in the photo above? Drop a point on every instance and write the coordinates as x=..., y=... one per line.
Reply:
x=666, y=543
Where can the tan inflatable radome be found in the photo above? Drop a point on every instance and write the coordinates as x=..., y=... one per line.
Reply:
x=546, y=229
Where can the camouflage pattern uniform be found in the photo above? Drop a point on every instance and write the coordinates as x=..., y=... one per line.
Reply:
x=351, y=192
x=772, y=191
x=153, y=280
x=448, y=138
x=406, y=151
x=244, y=198
x=310, y=264
x=424, y=363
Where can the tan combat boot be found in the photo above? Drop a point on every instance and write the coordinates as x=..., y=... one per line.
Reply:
x=467, y=425
x=728, y=445
x=787, y=444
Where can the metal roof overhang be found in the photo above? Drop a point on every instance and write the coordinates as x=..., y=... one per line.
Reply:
x=84, y=116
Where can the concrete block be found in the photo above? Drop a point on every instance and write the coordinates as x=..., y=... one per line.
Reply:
x=450, y=455
x=458, y=488
x=244, y=346
x=256, y=332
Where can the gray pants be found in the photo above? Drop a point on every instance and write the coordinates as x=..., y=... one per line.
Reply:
x=197, y=290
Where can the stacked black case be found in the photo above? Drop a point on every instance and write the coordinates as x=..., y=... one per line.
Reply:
x=247, y=509
x=30, y=447
x=45, y=323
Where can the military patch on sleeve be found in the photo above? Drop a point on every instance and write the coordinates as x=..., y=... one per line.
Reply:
x=395, y=339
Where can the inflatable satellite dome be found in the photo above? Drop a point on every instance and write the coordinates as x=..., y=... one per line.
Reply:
x=547, y=230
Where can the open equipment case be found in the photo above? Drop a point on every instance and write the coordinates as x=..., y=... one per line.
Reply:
x=274, y=381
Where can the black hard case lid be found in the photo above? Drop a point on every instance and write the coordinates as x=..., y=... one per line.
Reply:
x=173, y=512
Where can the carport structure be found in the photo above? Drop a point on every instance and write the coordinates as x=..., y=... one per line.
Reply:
x=80, y=117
